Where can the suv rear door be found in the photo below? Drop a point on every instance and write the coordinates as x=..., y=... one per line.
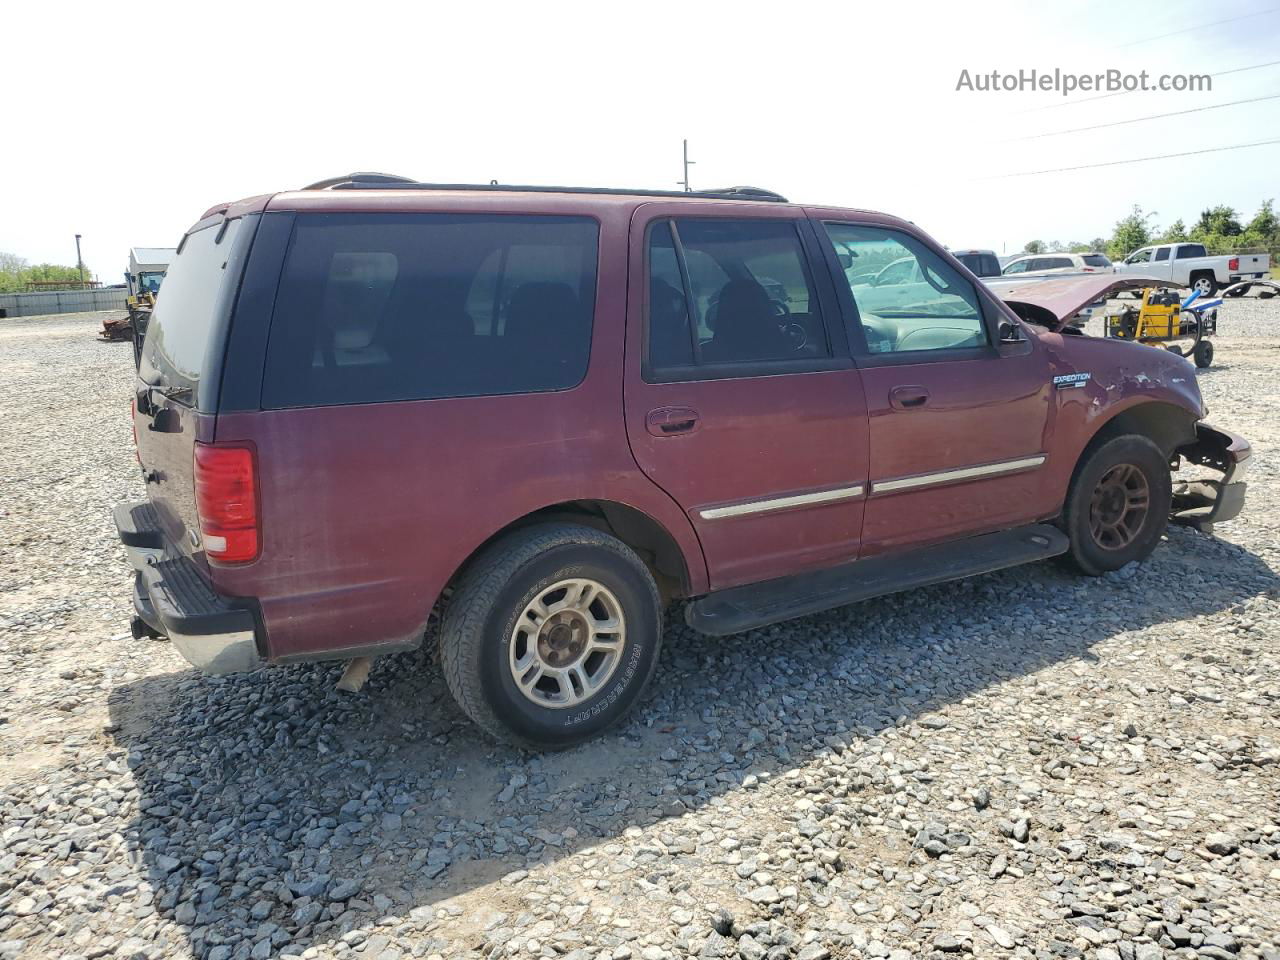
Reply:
x=179, y=368
x=741, y=399
x=957, y=422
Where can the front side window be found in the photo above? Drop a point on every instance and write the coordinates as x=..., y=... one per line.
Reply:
x=1162, y=253
x=1142, y=256
x=936, y=309
x=382, y=307
x=729, y=292
x=1018, y=266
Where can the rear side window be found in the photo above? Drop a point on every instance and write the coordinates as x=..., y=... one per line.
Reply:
x=1190, y=250
x=730, y=292
x=1096, y=260
x=178, y=334
x=422, y=306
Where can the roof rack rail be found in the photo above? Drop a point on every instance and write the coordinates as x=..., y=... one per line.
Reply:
x=370, y=179
x=374, y=181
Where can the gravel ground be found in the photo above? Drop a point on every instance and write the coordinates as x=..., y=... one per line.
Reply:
x=1024, y=764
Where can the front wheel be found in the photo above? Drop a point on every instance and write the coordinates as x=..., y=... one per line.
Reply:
x=1118, y=505
x=551, y=636
x=1203, y=354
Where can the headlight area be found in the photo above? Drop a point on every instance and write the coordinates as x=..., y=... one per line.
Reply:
x=1202, y=502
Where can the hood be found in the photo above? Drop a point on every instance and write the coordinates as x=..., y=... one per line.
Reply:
x=1052, y=301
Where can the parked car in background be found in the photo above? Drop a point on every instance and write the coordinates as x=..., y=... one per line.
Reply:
x=519, y=421
x=1059, y=263
x=981, y=263
x=1188, y=265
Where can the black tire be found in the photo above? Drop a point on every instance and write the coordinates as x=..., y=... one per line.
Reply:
x=1210, y=283
x=1174, y=348
x=1087, y=554
x=1266, y=293
x=1203, y=354
x=480, y=621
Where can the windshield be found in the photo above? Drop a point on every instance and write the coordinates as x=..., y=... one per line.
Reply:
x=177, y=338
x=1096, y=260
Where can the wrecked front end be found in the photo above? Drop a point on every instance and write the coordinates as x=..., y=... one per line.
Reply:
x=1202, y=502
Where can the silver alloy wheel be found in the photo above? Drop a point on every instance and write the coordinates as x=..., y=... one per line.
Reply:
x=567, y=643
x=1204, y=286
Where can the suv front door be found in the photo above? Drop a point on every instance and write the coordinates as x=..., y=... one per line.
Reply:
x=957, y=421
x=741, y=399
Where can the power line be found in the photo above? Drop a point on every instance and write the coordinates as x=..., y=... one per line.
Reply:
x=1199, y=26
x=1121, y=93
x=1154, y=116
x=1117, y=163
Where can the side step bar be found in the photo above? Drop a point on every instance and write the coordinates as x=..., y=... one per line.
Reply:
x=760, y=604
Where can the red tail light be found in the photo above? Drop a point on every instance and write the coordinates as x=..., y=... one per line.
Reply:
x=1233, y=263
x=226, y=480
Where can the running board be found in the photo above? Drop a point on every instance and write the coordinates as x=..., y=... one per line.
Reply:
x=760, y=604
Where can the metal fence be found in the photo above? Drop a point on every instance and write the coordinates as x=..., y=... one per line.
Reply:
x=61, y=301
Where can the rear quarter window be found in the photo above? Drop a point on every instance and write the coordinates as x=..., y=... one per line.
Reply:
x=375, y=308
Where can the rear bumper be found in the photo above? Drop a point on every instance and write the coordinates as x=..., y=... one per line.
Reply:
x=214, y=633
x=1202, y=503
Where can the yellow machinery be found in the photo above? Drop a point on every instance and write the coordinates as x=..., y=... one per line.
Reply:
x=1162, y=318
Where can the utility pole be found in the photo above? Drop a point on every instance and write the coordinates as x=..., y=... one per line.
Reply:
x=687, y=164
x=79, y=262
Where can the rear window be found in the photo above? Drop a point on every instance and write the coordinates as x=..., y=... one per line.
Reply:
x=178, y=333
x=980, y=264
x=1096, y=260
x=413, y=307
x=1189, y=250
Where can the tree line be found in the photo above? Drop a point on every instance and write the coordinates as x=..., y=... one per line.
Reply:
x=16, y=275
x=1219, y=228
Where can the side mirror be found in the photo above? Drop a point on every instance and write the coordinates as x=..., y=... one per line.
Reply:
x=1010, y=332
x=846, y=261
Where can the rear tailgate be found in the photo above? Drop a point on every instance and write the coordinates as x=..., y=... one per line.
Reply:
x=1253, y=263
x=180, y=364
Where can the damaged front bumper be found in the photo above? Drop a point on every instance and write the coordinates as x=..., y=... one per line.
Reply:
x=1201, y=503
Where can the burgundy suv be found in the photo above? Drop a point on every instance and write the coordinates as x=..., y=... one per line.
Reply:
x=545, y=413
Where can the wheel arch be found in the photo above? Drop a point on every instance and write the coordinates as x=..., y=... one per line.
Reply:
x=1168, y=425
x=659, y=549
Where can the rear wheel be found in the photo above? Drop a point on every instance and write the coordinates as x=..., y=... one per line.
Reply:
x=551, y=635
x=1204, y=284
x=1118, y=505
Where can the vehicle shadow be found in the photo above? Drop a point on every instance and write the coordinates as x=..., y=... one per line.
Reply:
x=272, y=808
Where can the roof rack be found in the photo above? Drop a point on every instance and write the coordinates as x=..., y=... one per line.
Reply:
x=368, y=181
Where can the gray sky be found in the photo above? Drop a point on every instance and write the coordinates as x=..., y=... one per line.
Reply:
x=841, y=103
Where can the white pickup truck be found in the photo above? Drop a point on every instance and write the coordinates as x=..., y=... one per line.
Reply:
x=1187, y=265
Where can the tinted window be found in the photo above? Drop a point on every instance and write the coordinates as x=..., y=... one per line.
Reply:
x=935, y=310
x=1096, y=260
x=980, y=264
x=1141, y=256
x=730, y=292
x=1189, y=250
x=406, y=307
x=177, y=338
x=1162, y=253
x=1018, y=266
